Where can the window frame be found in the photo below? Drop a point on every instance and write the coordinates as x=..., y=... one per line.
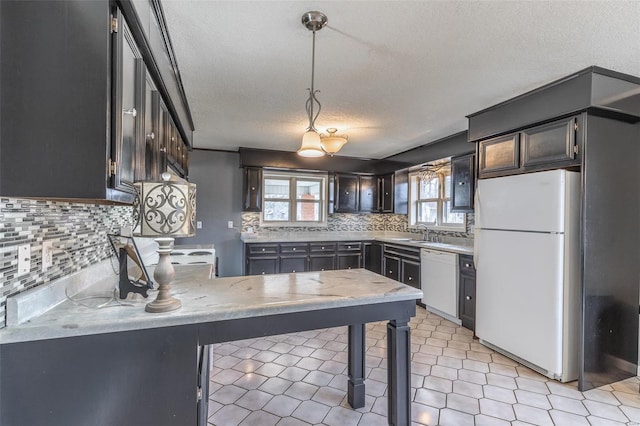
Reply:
x=294, y=201
x=441, y=201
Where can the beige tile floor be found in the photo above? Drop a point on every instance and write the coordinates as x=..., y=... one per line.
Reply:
x=300, y=379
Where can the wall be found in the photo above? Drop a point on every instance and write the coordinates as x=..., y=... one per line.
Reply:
x=78, y=231
x=218, y=197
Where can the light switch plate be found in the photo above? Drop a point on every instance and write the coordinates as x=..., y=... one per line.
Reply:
x=199, y=224
x=24, y=259
x=230, y=224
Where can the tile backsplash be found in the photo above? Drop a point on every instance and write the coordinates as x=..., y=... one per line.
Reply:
x=354, y=222
x=78, y=232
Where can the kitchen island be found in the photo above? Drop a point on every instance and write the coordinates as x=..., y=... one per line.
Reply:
x=121, y=365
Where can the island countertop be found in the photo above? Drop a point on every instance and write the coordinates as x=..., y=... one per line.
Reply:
x=205, y=300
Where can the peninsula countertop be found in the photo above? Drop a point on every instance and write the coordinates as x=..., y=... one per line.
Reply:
x=205, y=300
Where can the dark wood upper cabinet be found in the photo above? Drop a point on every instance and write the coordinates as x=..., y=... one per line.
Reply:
x=550, y=143
x=499, y=155
x=462, y=183
x=346, y=187
x=401, y=192
x=386, y=193
x=128, y=116
x=547, y=146
x=75, y=101
x=368, y=194
x=252, y=189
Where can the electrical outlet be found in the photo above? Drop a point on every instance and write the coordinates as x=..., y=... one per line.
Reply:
x=47, y=255
x=24, y=259
x=199, y=224
x=230, y=224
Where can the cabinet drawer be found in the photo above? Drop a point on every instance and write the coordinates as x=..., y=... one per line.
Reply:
x=322, y=247
x=466, y=265
x=263, y=248
x=294, y=248
x=499, y=154
x=350, y=247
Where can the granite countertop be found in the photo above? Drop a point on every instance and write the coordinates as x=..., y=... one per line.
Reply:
x=455, y=245
x=205, y=300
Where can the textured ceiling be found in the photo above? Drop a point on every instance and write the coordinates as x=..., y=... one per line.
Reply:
x=392, y=74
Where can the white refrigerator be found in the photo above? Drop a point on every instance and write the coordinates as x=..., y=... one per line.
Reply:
x=527, y=247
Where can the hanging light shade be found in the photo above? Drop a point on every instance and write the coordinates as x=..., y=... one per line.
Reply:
x=333, y=143
x=311, y=146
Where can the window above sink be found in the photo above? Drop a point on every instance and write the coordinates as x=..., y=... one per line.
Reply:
x=430, y=199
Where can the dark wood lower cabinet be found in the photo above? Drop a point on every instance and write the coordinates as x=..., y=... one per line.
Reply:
x=349, y=261
x=262, y=265
x=467, y=292
x=411, y=273
x=322, y=262
x=291, y=264
x=392, y=267
x=373, y=257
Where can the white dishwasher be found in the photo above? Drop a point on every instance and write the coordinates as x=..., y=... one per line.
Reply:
x=440, y=283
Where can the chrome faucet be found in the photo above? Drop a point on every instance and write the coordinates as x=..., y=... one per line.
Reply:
x=425, y=233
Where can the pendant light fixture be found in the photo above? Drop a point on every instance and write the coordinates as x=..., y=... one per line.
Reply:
x=312, y=144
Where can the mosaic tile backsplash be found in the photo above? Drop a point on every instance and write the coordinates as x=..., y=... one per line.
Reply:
x=78, y=232
x=355, y=222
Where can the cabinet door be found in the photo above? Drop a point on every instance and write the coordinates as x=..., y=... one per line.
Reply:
x=467, y=302
x=262, y=265
x=349, y=261
x=322, y=262
x=291, y=264
x=549, y=143
x=386, y=194
x=129, y=76
x=462, y=182
x=373, y=257
x=252, y=189
x=392, y=267
x=499, y=155
x=153, y=124
x=411, y=273
x=467, y=292
x=346, y=193
x=368, y=194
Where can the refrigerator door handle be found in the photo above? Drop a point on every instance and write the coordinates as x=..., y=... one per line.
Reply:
x=477, y=228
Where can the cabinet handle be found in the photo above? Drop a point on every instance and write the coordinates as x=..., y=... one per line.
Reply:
x=322, y=269
x=132, y=112
x=262, y=272
x=262, y=249
x=468, y=297
x=349, y=267
x=348, y=247
x=460, y=183
x=391, y=272
x=151, y=136
x=293, y=270
x=410, y=278
x=346, y=192
x=322, y=248
x=467, y=265
x=386, y=193
x=253, y=188
x=294, y=249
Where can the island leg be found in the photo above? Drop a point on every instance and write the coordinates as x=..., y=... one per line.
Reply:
x=399, y=372
x=355, y=387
